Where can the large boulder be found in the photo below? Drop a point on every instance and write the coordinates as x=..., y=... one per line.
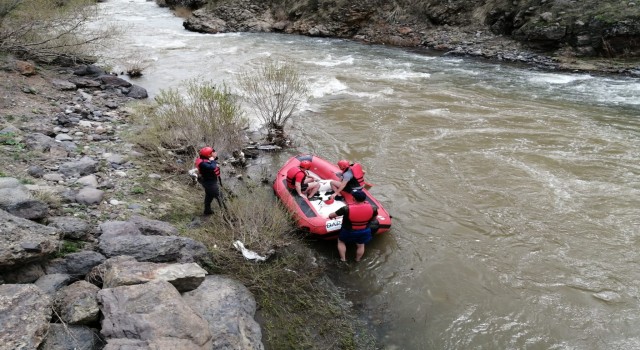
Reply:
x=16, y=199
x=39, y=142
x=77, y=303
x=50, y=284
x=75, y=264
x=151, y=316
x=25, y=311
x=69, y=226
x=83, y=166
x=156, y=248
x=23, y=241
x=229, y=307
x=152, y=227
x=118, y=228
x=123, y=271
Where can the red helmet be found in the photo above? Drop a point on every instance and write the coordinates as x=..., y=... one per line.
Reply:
x=305, y=164
x=206, y=152
x=343, y=164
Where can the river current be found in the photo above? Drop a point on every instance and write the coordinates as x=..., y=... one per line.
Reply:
x=515, y=192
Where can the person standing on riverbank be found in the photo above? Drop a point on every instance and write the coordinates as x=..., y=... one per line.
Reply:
x=356, y=221
x=209, y=178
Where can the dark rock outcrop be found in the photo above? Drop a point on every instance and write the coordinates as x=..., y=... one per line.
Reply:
x=498, y=29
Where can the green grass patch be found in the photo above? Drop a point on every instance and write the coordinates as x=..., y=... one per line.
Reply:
x=9, y=138
x=68, y=247
x=138, y=190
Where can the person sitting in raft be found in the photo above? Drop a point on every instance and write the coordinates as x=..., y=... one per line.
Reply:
x=356, y=224
x=300, y=180
x=352, y=177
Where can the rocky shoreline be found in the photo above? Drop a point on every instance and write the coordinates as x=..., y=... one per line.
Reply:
x=377, y=26
x=81, y=267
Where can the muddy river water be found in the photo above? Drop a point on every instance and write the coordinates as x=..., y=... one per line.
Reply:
x=515, y=192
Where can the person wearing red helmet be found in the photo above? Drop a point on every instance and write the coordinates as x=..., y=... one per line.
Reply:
x=356, y=224
x=352, y=178
x=303, y=182
x=209, y=178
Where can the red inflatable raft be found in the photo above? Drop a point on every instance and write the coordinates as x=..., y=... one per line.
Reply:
x=312, y=215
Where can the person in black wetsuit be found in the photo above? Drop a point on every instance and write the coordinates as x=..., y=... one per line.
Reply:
x=209, y=178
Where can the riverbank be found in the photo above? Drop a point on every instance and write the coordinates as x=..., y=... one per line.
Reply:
x=73, y=172
x=452, y=35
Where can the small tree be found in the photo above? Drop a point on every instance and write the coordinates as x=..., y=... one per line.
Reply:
x=51, y=29
x=199, y=114
x=274, y=90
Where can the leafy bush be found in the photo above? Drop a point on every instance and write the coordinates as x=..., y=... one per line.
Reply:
x=274, y=90
x=198, y=114
x=49, y=30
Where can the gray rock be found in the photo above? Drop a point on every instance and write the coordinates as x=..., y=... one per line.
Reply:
x=38, y=142
x=63, y=137
x=63, y=85
x=89, y=196
x=89, y=70
x=153, y=312
x=70, y=227
x=112, y=80
x=118, y=228
x=84, y=166
x=123, y=272
x=10, y=129
x=63, y=337
x=9, y=182
x=75, y=264
x=28, y=209
x=53, y=177
x=137, y=92
x=50, y=284
x=77, y=303
x=89, y=180
x=154, y=227
x=25, y=312
x=16, y=199
x=156, y=248
x=15, y=231
x=127, y=344
x=116, y=159
x=229, y=308
x=35, y=171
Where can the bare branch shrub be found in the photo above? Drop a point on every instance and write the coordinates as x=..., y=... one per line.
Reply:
x=198, y=114
x=135, y=64
x=274, y=90
x=49, y=30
